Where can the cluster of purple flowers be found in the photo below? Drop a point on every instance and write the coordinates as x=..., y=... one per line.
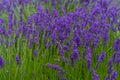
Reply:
x=85, y=26
x=11, y=4
x=58, y=69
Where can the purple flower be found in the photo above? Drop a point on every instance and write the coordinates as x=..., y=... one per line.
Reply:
x=95, y=43
x=88, y=57
x=10, y=24
x=76, y=40
x=74, y=56
x=110, y=61
x=114, y=29
x=55, y=67
x=113, y=75
x=105, y=38
x=34, y=53
x=17, y=59
x=63, y=78
x=94, y=75
x=59, y=74
x=1, y=62
x=2, y=30
x=21, y=14
x=61, y=51
x=119, y=26
x=30, y=42
x=15, y=20
x=114, y=56
x=53, y=36
x=49, y=65
x=64, y=59
x=54, y=13
x=106, y=78
x=118, y=60
x=6, y=42
x=47, y=45
x=116, y=45
x=26, y=1
x=65, y=47
x=63, y=11
x=101, y=57
x=1, y=21
x=53, y=2
x=110, y=69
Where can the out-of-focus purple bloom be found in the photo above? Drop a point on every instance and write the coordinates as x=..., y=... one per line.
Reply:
x=114, y=56
x=88, y=57
x=106, y=78
x=54, y=13
x=34, y=53
x=64, y=59
x=2, y=30
x=1, y=21
x=94, y=75
x=10, y=28
x=21, y=14
x=85, y=2
x=17, y=59
x=65, y=47
x=116, y=45
x=59, y=74
x=47, y=45
x=1, y=62
x=110, y=61
x=30, y=42
x=74, y=56
x=6, y=42
x=63, y=79
x=63, y=11
x=101, y=57
x=113, y=75
x=61, y=51
x=114, y=29
x=110, y=68
x=49, y=65
x=119, y=26
x=53, y=36
x=15, y=20
x=54, y=67
x=105, y=38
x=118, y=60
x=95, y=43
x=53, y=2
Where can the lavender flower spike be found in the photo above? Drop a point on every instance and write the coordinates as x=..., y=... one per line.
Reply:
x=113, y=75
x=17, y=59
x=34, y=53
x=1, y=62
x=88, y=57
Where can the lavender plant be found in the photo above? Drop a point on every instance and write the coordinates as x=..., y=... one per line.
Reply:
x=73, y=41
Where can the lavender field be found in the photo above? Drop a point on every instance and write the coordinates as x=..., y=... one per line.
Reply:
x=59, y=40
